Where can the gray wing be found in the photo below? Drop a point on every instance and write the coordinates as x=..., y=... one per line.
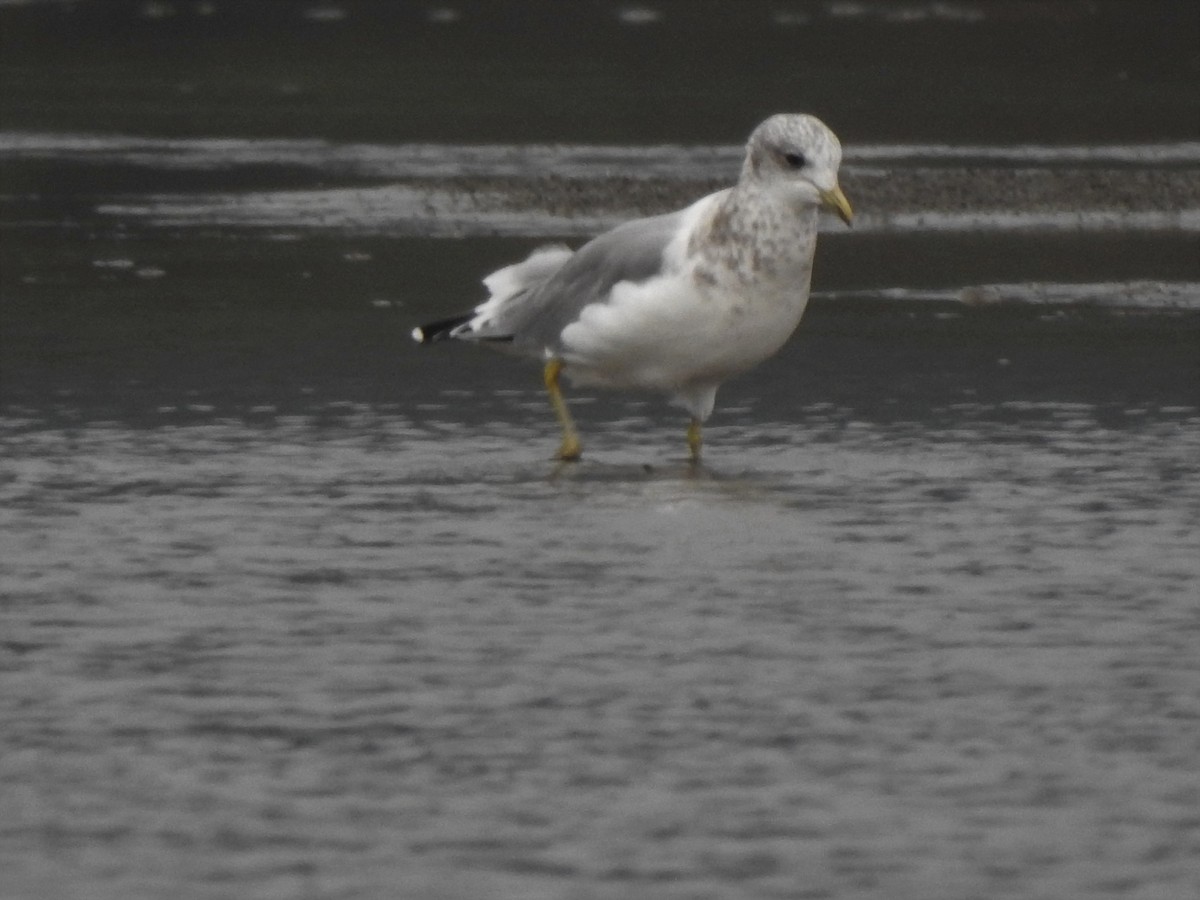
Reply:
x=631, y=252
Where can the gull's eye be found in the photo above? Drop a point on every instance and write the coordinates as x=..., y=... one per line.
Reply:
x=795, y=160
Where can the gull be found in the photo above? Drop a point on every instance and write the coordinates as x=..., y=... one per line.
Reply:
x=674, y=303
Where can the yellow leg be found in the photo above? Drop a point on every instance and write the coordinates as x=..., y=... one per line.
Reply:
x=571, y=449
x=695, y=439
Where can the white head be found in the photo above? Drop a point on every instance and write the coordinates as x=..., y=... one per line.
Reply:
x=797, y=153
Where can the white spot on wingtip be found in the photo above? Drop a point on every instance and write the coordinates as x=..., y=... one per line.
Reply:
x=418, y=335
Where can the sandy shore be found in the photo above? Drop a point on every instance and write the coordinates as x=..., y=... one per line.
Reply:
x=878, y=190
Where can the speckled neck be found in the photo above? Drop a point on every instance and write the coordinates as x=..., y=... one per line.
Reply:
x=759, y=237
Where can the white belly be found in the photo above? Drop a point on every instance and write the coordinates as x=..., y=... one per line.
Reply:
x=672, y=333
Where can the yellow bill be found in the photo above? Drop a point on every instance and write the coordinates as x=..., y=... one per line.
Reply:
x=837, y=201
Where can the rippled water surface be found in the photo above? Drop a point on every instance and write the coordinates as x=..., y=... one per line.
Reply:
x=368, y=656
x=291, y=607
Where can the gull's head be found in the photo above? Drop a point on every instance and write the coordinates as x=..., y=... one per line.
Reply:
x=799, y=155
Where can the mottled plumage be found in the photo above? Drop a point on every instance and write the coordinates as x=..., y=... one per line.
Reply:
x=675, y=303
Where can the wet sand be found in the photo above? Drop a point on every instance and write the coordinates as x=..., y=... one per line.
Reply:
x=459, y=190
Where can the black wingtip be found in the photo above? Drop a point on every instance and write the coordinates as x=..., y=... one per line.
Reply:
x=439, y=330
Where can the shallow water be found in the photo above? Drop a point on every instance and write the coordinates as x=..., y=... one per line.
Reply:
x=380, y=657
x=292, y=607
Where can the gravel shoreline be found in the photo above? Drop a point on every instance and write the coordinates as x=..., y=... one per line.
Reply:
x=878, y=190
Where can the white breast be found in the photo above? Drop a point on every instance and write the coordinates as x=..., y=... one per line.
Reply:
x=703, y=320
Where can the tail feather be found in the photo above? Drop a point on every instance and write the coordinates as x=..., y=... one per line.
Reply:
x=495, y=320
x=440, y=330
x=451, y=328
